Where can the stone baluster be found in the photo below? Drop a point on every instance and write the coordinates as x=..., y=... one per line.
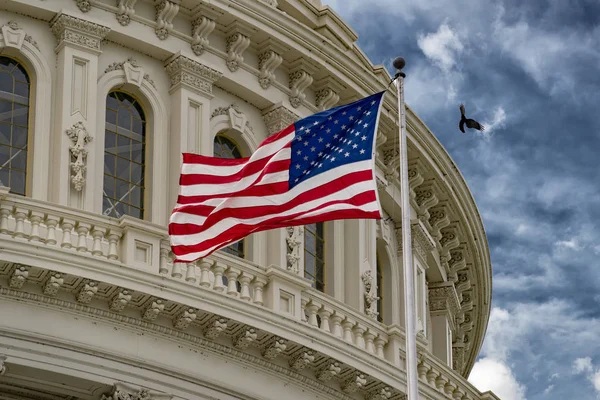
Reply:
x=51, y=223
x=369, y=341
x=36, y=218
x=336, y=325
x=347, y=325
x=458, y=394
x=82, y=230
x=325, y=313
x=5, y=212
x=218, y=270
x=431, y=375
x=67, y=226
x=232, y=276
x=163, y=268
x=311, y=309
x=380, y=343
x=113, y=239
x=205, y=272
x=440, y=381
x=449, y=388
x=422, y=370
x=190, y=273
x=97, y=235
x=20, y=215
x=359, y=331
x=303, y=305
x=176, y=271
x=245, y=278
x=258, y=286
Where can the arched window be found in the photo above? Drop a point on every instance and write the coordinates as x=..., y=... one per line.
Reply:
x=314, y=254
x=379, y=282
x=224, y=147
x=14, y=125
x=124, y=156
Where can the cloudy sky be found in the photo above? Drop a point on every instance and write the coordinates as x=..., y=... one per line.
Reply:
x=530, y=71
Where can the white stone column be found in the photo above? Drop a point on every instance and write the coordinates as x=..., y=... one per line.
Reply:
x=284, y=246
x=78, y=48
x=443, y=307
x=189, y=130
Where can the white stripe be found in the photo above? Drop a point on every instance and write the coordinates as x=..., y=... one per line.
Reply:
x=229, y=222
x=283, y=198
x=260, y=153
x=231, y=187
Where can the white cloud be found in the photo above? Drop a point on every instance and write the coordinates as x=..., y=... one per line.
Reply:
x=582, y=365
x=441, y=47
x=494, y=375
x=548, y=389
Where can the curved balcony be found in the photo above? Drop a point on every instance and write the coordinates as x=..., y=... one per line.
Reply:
x=121, y=270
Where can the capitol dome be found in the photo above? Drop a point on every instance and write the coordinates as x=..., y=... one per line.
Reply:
x=98, y=99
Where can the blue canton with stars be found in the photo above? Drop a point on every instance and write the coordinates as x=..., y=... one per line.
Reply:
x=334, y=137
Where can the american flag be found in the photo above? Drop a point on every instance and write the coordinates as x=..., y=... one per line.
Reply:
x=320, y=168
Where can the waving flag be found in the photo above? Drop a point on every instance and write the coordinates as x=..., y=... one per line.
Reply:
x=318, y=169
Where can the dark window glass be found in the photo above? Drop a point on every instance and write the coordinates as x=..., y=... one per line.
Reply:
x=14, y=124
x=227, y=148
x=314, y=254
x=124, y=156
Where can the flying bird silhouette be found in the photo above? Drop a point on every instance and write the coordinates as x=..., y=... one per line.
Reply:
x=471, y=123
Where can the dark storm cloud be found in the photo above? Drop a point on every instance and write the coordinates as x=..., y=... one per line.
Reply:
x=531, y=71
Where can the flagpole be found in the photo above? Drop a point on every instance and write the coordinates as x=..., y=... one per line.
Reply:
x=412, y=380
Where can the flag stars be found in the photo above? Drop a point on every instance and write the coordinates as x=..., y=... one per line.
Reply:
x=328, y=130
x=364, y=137
x=305, y=158
x=354, y=146
x=306, y=143
x=313, y=149
x=346, y=154
x=316, y=123
x=320, y=140
x=362, y=151
x=365, y=125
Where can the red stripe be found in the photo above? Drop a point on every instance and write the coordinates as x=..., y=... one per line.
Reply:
x=265, y=164
x=253, y=191
x=241, y=230
x=190, y=158
x=256, y=211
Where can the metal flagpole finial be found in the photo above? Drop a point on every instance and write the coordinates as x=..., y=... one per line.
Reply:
x=399, y=63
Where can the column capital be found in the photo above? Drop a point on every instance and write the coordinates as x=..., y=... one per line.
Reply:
x=183, y=71
x=77, y=32
x=443, y=300
x=278, y=117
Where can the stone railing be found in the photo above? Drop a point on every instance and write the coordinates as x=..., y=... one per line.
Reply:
x=140, y=245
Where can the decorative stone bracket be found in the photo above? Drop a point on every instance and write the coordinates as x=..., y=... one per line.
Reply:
x=300, y=79
x=238, y=40
x=80, y=138
x=203, y=24
x=327, y=91
x=2, y=366
x=270, y=58
x=84, y=5
x=125, y=11
x=123, y=391
x=166, y=10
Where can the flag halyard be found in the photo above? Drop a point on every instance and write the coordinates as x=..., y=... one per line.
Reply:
x=318, y=169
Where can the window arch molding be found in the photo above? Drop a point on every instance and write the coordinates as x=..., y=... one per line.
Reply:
x=122, y=79
x=40, y=101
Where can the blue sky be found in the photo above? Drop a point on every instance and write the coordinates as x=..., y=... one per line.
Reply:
x=530, y=71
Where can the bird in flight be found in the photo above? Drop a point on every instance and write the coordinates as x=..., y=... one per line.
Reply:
x=471, y=123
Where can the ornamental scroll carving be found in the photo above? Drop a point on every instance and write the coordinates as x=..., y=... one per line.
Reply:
x=293, y=242
x=122, y=391
x=125, y=11
x=166, y=10
x=80, y=138
x=370, y=297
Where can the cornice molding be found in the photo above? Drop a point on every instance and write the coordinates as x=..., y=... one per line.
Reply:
x=184, y=71
x=278, y=117
x=78, y=32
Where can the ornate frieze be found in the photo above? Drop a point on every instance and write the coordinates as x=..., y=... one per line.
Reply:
x=293, y=241
x=153, y=309
x=302, y=359
x=78, y=32
x=278, y=118
x=18, y=277
x=185, y=318
x=244, y=338
x=355, y=382
x=119, y=300
x=383, y=393
x=84, y=5
x=125, y=10
x=192, y=74
x=53, y=283
x=134, y=73
x=166, y=10
x=422, y=243
x=327, y=92
x=80, y=138
x=237, y=41
x=202, y=26
x=270, y=57
x=443, y=299
x=301, y=77
x=370, y=297
x=328, y=371
x=215, y=326
x=274, y=347
x=123, y=391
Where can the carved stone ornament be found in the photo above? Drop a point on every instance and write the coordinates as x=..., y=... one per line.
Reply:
x=53, y=283
x=125, y=11
x=80, y=138
x=293, y=241
x=300, y=79
x=237, y=43
x=301, y=360
x=122, y=391
x=279, y=118
x=15, y=37
x=84, y=5
x=78, y=32
x=329, y=371
x=87, y=292
x=370, y=298
x=185, y=71
x=422, y=243
x=354, y=383
x=166, y=10
x=269, y=59
x=327, y=92
x=18, y=277
x=272, y=3
x=274, y=347
x=134, y=73
x=202, y=27
x=2, y=366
